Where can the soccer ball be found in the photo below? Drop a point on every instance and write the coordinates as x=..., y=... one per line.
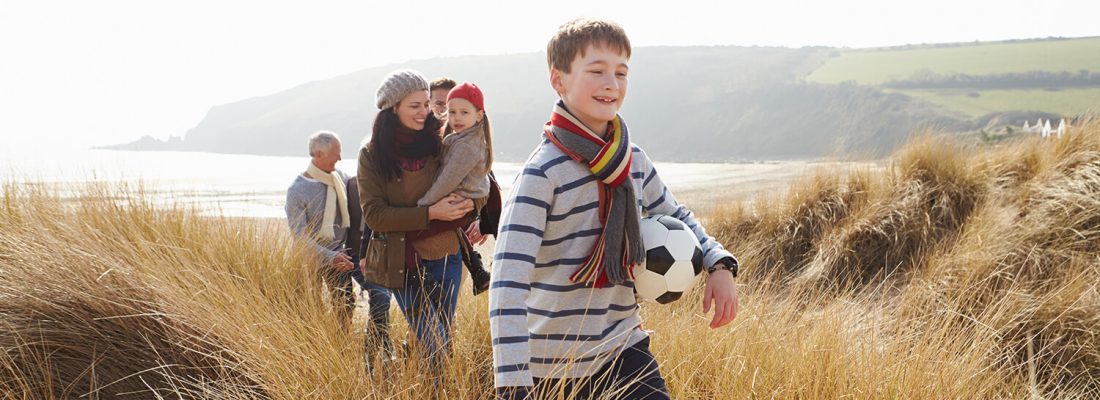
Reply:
x=673, y=260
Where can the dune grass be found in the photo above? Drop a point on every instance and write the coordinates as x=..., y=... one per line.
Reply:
x=958, y=272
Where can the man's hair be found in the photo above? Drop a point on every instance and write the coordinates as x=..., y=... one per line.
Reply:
x=574, y=37
x=321, y=140
x=442, y=83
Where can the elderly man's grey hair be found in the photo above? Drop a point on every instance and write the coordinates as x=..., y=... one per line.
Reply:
x=321, y=140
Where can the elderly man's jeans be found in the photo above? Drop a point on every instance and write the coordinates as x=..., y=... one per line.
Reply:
x=378, y=299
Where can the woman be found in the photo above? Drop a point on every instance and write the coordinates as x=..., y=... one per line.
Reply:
x=396, y=167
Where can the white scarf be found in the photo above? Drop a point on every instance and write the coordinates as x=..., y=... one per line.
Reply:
x=337, y=195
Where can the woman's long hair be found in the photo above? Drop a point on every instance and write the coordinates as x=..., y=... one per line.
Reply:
x=381, y=144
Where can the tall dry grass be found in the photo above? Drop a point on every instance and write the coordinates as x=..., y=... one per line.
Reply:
x=961, y=271
x=966, y=271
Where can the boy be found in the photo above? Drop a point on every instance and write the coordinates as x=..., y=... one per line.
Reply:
x=563, y=314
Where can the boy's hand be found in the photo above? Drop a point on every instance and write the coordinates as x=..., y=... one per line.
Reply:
x=722, y=291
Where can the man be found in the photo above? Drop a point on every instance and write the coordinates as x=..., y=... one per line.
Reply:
x=317, y=210
x=438, y=96
x=322, y=205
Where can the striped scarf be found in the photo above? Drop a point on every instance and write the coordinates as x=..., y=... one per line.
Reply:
x=619, y=246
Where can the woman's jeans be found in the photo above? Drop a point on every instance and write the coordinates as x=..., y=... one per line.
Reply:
x=428, y=302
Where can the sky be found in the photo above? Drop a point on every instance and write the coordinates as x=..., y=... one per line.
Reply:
x=75, y=74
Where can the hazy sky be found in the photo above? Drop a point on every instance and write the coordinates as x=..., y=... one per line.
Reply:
x=82, y=73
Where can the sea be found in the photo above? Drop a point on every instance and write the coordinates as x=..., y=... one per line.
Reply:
x=255, y=186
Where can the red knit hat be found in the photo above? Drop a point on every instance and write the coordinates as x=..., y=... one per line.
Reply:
x=470, y=92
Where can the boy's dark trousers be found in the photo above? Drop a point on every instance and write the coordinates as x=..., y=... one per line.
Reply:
x=632, y=375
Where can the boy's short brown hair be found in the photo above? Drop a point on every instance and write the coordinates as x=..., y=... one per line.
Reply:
x=574, y=37
x=442, y=83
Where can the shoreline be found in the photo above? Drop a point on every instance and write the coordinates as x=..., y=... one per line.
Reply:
x=260, y=192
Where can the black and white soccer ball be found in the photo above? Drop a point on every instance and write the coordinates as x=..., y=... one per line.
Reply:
x=673, y=260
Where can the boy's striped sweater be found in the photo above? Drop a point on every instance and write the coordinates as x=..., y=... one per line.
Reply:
x=544, y=325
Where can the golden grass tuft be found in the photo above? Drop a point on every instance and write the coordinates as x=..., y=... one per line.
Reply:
x=960, y=271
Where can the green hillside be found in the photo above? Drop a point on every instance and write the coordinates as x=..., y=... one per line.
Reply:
x=876, y=66
x=1060, y=76
x=730, y=103
x=978, y=103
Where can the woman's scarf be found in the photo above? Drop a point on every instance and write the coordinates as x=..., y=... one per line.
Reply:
x=408, y=143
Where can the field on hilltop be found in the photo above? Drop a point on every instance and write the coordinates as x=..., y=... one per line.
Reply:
x=978, y=103
x=1059, y=76
x=952, y=270
x=879, y=65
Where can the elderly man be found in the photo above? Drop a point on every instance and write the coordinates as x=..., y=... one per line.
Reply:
x=317, y=209
x=322, y=206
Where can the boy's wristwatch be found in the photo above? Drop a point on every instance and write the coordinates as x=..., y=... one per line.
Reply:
x=727, y=263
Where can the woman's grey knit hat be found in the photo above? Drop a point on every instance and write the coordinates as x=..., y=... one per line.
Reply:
x=397, y=85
